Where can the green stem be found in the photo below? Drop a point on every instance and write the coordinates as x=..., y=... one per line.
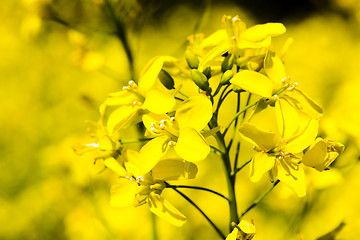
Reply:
x=260, y=198
x=221, y=99
x=154, y=226
x=202, y=213
x=241, y=167
x=230, y=180
x=238, y=114
x=235, y=125
x=197, y=188
x=216, y=150
x=121, y=34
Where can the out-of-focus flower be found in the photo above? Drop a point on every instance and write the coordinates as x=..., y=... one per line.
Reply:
x=321, y=153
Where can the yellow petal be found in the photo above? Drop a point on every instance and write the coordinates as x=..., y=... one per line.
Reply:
x=244, y=44
x=123, y=97
x=316, y=155
x=174, y=169
x=260, y=164
x=195, y=112
x=157, y=101
x=264, y=140
x=261, y=31
x=214, y=39
x=213, y=54
x=152, y=152
x=292, y=175
x=247, y=227
x=274, y=68
x=233, y=235
x=305, y=104
x=304, y=138
x=253, y=82
x=123, y=193
x=115, y=166
x=122, y=117
x=150, y=73
x=287, y=118
x=191, y=145
x=165, y=210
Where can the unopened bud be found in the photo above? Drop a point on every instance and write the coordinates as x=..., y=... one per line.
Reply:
x=225, y=78
x=200, y=80
x=228, y=63
x=207, y=72
x=191, y=59
x=166, y=79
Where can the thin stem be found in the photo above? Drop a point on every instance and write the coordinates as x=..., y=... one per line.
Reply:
x=241, y=167
x=197, y=188
x=121, y=34
x=216, y=150
x=217, y=89
x=202, y=213
x=221, y=99
x=236, y=123
x=180, y=99
x=260, y=198
x=247, y=103
x=154, y=226
x=237, y=115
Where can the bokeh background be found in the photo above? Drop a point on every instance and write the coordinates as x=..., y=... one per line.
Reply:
x=60, y=58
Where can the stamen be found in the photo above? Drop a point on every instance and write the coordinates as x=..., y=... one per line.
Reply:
x=139, y=179
x=292, y=87
x=132, y=83
x=285, y=79
x=172, y=143
x=92, y=145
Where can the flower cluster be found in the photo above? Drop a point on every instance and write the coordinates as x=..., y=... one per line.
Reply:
x=175, y=105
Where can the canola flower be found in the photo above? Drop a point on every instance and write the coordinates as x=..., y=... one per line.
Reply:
x=236, y=60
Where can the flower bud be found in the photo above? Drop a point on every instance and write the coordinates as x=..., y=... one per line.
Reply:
x=207, y=72
x=227, y=63
x=225, y=78
x=166, y=79
x=191, y=59
x=200, y=80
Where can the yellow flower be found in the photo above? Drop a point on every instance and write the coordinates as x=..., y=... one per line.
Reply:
x=243, y=43
x=181, y=131
x=322, y=153
x=135, y=100
x=280, y=157
x=132, y=189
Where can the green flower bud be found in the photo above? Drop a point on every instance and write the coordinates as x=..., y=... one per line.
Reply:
x=228, y=63
x=166, y=79
x=207, y=72
x=200, y=80
x=191, y=59
x=225, y=78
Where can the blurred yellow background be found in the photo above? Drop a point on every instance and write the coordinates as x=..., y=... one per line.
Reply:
x=53, y=78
